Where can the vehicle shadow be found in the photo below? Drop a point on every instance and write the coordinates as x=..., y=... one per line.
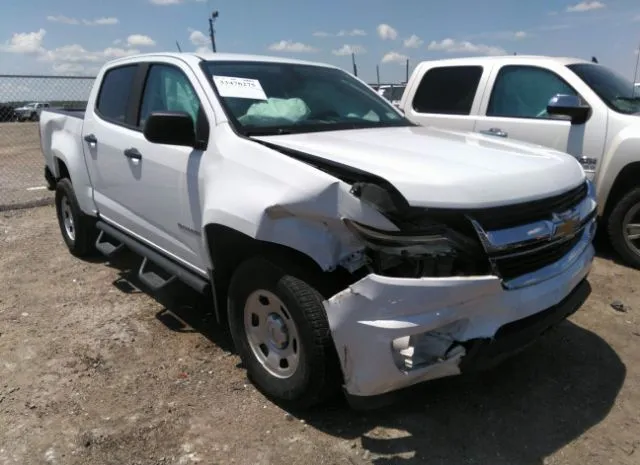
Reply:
x=516, y=414
x=184, y=310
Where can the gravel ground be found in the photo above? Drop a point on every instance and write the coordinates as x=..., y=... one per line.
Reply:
x=21, y=166
x=94, y=371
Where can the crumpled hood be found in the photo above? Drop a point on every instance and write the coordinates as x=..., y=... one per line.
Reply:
x=445, y=169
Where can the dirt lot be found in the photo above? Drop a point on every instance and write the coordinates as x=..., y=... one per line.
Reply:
x=93, y=371
x=21, y=166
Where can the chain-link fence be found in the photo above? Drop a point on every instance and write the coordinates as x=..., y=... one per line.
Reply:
x=21, y=101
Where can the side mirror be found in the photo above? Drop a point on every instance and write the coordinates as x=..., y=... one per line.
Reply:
x=571, y=106
x=169, y=127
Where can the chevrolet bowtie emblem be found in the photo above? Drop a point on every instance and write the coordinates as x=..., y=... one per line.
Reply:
x=565, y=224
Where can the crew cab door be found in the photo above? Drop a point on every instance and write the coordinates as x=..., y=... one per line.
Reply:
x=446, y=95
x=515, y=107
x=148, y=190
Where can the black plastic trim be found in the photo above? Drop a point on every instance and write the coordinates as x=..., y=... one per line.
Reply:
x=188, y=277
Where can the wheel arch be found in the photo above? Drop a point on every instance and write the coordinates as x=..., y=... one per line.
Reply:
x=228, y=248
x=627, y=178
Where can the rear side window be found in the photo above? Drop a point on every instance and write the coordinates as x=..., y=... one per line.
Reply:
x=448, y=90
x=113, y=99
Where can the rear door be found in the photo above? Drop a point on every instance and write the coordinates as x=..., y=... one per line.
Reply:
x=516, y=104
x=448, y=96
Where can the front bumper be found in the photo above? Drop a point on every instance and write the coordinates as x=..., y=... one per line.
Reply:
x=391, y=333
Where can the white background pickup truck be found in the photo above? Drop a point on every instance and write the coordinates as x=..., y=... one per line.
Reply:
x=342, y=244
x=597, y=120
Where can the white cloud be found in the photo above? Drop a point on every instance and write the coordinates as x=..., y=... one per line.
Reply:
x=387, y=32
x=452, y=46
x=413, y=42
x=68, y=68
x=203, y=50
x=520, y=35
x=62, y=19
x=140, y=40
x=76, y=53
x=101, y=21
x=117, y=41
x=114, y=52
x=198, y=38
x=585, y=6
x=289, y=46
x=394, y=57
x=321, y=34
x=165, y=2
x=352, y=33
x=349, y=49
x=25, y=42
x=109, y=21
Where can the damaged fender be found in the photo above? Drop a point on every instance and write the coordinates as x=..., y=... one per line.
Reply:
x=305, y=213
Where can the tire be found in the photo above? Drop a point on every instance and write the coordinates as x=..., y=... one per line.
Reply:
x=80, y=233
x=627, y=208
x=252, y=290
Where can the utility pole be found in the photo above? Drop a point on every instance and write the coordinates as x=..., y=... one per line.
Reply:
x=635, y=73
x=212, y=32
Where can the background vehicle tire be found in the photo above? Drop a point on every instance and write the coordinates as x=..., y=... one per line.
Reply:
x=623, y=227
x=274, y=316
x=78, y=229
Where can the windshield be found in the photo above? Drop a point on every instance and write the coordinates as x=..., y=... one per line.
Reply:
x=281, y=98
x=616, y=91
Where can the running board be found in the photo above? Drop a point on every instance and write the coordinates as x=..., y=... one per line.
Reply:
x=152, y=278
x=105, y=247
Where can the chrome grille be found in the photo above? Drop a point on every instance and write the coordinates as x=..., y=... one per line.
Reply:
x=537, y=236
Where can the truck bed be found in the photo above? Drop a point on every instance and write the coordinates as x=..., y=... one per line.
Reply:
x=73, y=112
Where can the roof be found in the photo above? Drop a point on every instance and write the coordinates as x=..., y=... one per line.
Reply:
x=188, y=56
x=513, y=59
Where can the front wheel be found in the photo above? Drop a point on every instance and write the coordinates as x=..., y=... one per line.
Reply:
x=281, y=332
x=623, y=227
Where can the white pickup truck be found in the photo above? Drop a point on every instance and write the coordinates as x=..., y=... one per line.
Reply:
x=343, y=245
x=568, y=104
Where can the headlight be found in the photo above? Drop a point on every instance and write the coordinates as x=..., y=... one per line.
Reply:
x=435, y=240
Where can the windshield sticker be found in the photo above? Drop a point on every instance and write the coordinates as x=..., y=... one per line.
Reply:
x=239, y=87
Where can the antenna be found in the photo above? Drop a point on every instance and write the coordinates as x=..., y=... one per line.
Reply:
x=212, y=32
x=353, y=60
x=407, y=71
x=178, y=45
x=378, y=74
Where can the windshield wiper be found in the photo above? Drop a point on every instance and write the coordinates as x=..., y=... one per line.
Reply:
x=267, y=132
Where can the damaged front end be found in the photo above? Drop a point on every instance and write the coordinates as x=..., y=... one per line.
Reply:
x=443, y=295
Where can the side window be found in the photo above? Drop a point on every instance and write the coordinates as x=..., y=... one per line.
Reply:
x=448, y=90
x=525, y=91
x=168, y=89
x=113, y=99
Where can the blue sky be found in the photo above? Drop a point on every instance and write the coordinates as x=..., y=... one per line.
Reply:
x=77, y=36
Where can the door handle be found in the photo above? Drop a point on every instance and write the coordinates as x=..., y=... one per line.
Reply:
x=91, y=139
x=495, y=132
x=133, y=153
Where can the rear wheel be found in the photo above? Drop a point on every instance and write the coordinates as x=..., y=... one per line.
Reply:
x=281, y=332
x=77, y=228
x=624, y=228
